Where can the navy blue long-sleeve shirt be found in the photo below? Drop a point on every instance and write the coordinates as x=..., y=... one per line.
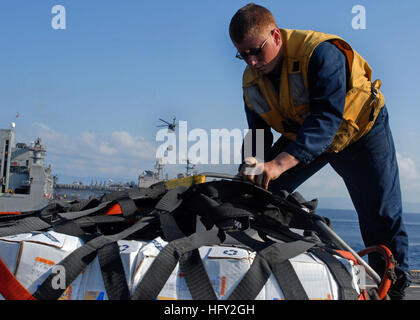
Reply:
x=327, y=82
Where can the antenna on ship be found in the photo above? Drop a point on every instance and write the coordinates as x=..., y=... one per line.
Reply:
x=160, y=165
x=171, y=126
x=190, y=166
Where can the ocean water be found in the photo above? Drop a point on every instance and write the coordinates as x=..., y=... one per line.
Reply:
x=345, y=224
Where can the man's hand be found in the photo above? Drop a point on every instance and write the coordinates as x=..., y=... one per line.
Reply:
x=261, y=173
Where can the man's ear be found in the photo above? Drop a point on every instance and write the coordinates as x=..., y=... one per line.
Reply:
x=277, y=36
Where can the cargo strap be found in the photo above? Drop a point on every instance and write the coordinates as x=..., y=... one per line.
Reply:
x=106, y=248
x=232, y=207
x=36, y=223
x=69, y=227
x=48, y=217
x=23, y=225
x=165, y=207
x=113, y=272
x=180, y=249
x=340, y=274
x=184, y=250
x=273, y=259
x=153, y=192
x=79, y=259
x=337, y=269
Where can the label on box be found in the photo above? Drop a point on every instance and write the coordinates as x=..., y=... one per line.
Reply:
x=50, y=238
x=17, y=237
x=228, y=253
x=41, y=266
x=129, y=246
x=94, y=295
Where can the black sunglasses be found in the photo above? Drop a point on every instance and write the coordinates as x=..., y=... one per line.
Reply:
x=252, y=51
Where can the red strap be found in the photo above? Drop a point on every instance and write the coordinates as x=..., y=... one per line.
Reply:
x=364, y=295
x=115, y=209
x=10, y=212
x=10, y=288
x=347, y=255
x=389, y=267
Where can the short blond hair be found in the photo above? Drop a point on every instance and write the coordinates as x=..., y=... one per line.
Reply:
x=251, y=19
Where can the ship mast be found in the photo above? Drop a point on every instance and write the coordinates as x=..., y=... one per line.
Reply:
x=159, y=166
x=190, y=166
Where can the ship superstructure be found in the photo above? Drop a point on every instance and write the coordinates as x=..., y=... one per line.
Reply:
x=25, y=184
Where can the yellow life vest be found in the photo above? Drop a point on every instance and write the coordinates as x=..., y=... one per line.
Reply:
x=285, y=109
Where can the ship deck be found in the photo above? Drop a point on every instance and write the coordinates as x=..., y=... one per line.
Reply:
x=412, y=292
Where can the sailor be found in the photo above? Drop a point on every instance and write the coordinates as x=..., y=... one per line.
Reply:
x=318, y=92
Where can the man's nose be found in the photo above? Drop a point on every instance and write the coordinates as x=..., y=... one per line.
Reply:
x=252, y=60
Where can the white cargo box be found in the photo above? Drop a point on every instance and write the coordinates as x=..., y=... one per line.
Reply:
x=92, y=285
x=31, y=258
x=227, y=265
x=9, y=249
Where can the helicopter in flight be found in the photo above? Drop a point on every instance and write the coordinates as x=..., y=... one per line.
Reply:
x=171, y=126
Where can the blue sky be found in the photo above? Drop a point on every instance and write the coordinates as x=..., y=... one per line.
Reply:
x=94, y=92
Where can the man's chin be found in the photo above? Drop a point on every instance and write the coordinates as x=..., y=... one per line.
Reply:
x=261, y=71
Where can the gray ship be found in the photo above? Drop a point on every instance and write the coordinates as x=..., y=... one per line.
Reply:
x=25, y=183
